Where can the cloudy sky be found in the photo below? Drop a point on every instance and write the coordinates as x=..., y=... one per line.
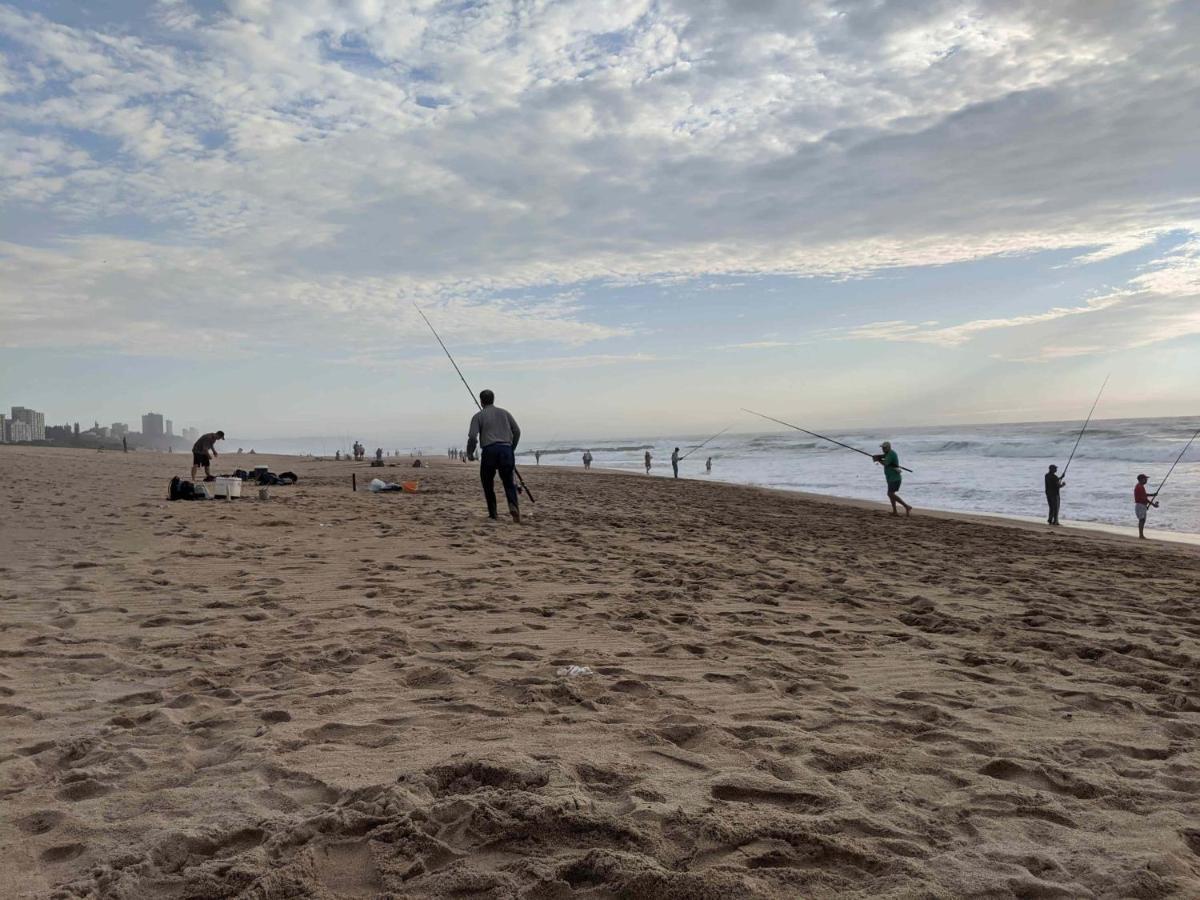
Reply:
x=624, y=215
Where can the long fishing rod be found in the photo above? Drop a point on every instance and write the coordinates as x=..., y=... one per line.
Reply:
x=1084, y=428
x=709, y=441
x=1174, y=464
x=814, y=434
x=474, y=399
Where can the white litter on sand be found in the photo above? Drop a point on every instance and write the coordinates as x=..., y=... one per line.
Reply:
x=574, y=671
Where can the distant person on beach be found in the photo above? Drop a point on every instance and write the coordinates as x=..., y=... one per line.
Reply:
x=890, y=461
x=648, y=458
x=708, y=466
x=204, y=451
x=1142, y=501
x=124, y=444
x=1053, y=485
x=675, y=462
x=587, y=459
x=537, y=457
x=496, y=431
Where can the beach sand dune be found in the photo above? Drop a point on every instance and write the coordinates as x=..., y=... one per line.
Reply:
x=337, y=695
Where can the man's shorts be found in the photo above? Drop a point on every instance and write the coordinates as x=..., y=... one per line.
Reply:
x=893, y=486
x=1139, y=510
x=199, y=459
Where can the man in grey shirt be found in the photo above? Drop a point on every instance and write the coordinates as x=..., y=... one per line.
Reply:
x=496, y=431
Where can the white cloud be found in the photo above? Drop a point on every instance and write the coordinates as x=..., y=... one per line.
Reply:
x=1160, y=304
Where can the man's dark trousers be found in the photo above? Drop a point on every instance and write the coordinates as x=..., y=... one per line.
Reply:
x=1052, y=500
x=497, y=458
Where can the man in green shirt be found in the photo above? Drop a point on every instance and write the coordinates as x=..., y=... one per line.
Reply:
x=891, y=471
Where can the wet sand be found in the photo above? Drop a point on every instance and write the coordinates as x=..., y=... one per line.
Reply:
x=332, y=694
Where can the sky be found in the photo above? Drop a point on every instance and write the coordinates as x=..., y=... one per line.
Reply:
x=624, y=216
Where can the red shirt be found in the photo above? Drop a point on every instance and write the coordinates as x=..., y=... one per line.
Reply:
x=1140, y=495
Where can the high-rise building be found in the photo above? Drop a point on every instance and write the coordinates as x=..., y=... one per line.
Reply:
x=119, y=429
x=152, y=425
x=34, y=419
x=170, y=428
x=20, y=430
x=3, y=429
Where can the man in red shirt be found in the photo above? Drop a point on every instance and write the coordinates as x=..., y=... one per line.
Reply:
x=1142, y=501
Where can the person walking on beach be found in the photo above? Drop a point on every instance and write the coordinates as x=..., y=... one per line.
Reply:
x=648, y=458
x=537, y=457
x=708, y=466
x=675, y=462
x=204, y=451
x=587, y=459
x=1142, y=501
x=496, y=431
x=1053, y=485
x=891, y=471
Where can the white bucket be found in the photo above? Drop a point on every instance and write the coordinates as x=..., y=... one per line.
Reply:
x=227, y=488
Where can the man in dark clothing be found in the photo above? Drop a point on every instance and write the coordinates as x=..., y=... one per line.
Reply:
x=496, y=431
x=204, y=451
x=1053, y=485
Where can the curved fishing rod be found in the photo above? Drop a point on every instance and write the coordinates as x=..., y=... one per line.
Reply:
x=814, y=434
x=1084, y=428
x=1195, y=434
x=709, y=441
x=474, y=399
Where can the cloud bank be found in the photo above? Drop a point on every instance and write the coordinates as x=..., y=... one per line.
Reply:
x=307, y=168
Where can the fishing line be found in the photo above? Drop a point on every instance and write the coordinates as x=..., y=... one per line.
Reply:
x=814, y=434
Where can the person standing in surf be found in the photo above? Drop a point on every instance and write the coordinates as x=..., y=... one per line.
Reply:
x=1053, y=485
x=675, y=462
x=496, y=431
x=587, y=459
x=1142, y=501
x=708, y=466
x=647, y=460
x=890, y=461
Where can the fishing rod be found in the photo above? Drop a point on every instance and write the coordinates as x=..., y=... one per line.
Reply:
x=814, y=434
x=1174, y=464
x=1084, y=428
x=709, y=441
x=474, y=399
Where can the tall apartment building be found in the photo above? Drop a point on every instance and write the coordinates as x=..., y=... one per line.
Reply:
x=170, y=428
x=19, y=430
x=34, y=419
x=3, y=429
x=152, y=425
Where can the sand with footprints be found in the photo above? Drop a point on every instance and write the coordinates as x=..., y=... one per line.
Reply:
x=332, y=694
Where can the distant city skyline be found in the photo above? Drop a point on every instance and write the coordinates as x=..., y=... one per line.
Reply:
x=624, y=217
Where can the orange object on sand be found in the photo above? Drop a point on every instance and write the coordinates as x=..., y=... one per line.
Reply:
x=409, y=486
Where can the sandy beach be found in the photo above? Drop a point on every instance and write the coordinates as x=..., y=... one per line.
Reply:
x=333, y=694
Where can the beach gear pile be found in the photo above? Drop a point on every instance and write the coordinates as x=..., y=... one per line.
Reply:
x=262, y=477
x=379, y=486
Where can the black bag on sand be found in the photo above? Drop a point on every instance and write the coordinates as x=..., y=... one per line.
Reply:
x=184, y=490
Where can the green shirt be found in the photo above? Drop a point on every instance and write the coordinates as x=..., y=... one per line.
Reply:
x=891, y=467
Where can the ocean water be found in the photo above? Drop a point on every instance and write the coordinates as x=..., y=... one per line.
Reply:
x=969, y=468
